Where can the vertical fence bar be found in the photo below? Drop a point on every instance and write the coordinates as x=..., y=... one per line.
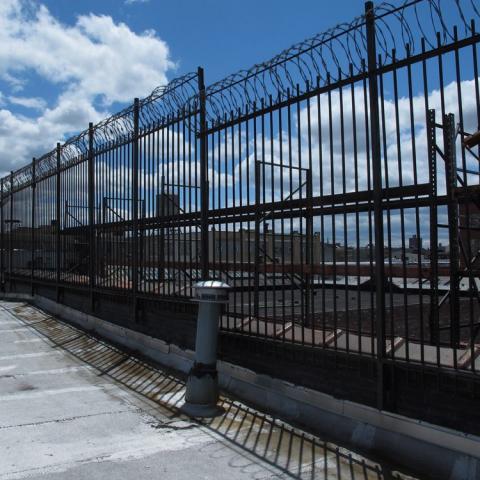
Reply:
x=2, y=238
x=57, y=231
x=32, y=272
x=161, y=248
x=135, y=157
x=256, y=280
x=10, y=249
x=204, y=248
x=377, y=200
x=309, y=319
x=91, y=215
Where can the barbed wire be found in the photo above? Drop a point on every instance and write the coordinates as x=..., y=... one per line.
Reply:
x=164, y=102
x=323, y=59
x=339, y=53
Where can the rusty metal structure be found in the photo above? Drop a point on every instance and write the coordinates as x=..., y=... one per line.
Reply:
x=334, y=187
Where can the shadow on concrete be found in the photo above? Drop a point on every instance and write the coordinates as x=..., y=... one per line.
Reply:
x=288, y=450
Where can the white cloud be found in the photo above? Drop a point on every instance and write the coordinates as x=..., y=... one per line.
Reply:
x=131, y=2
x=34, y=103
x=95, y=61
x=16, y=83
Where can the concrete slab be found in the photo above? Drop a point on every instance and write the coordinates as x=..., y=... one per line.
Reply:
x=74, y=407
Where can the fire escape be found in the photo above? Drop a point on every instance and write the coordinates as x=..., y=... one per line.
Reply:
x=463, y=203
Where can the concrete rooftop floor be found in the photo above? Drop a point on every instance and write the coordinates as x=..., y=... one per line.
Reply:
x=75, y=407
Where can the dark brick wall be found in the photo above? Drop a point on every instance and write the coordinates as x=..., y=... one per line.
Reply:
x=172, y=321
x=436, y=396
x=347, y=377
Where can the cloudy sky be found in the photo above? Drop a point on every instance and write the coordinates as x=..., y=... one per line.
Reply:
x=64, y=64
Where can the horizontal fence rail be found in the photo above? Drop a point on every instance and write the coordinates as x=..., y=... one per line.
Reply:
x=335, y=188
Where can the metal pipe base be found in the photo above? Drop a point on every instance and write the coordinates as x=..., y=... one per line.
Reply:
x=201, y=395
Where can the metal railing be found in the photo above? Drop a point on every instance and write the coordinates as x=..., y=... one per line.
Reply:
x=335, y=188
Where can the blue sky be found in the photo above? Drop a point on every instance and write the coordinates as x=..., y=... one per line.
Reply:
x=221, y=35
x=66, y=63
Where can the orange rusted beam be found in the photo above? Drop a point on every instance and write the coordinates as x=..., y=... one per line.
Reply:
x=352, y=269
x=472, y=140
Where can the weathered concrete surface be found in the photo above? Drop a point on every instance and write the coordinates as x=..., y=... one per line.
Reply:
x=74, y=407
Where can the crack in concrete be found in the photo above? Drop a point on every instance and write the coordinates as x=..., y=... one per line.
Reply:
x=64, y=420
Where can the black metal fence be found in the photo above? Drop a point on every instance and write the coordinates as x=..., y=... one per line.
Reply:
x=283, y=181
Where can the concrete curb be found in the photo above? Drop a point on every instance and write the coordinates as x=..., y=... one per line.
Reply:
x=436, y=452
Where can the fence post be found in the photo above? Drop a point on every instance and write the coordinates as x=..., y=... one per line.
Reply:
x=162, y=214
x=256, y=278
x=309, y=320
x=204, y=247
x=91, y=215
x=449, y=135
x=135, y=157
x=10, y=250
x=377, y=201
x=2, y=239
x=57, y=232
x=432, y=167
x=34, y=187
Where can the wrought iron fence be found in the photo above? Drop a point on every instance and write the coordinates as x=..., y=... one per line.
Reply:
x=283, y=181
